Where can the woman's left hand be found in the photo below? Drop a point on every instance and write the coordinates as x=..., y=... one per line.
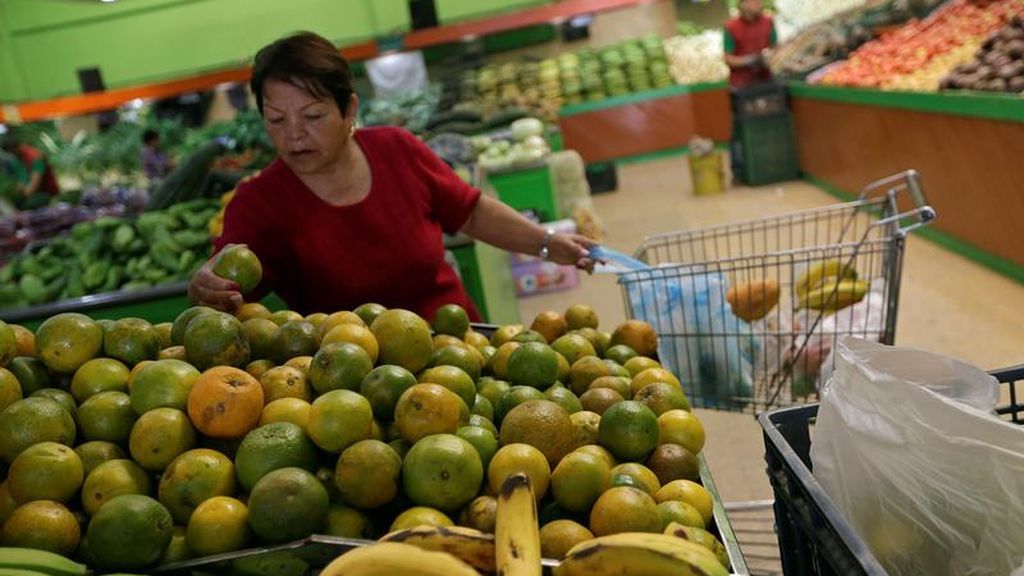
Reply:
x=571, y=250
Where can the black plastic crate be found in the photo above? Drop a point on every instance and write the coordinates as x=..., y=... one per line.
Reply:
x=768, y=148
x=602, y=177
x=814, y=538
x=765, y=99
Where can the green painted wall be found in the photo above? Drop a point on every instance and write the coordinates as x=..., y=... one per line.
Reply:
x=135, y=42
x=44, y=42
x=11, y=85
x=449, y=11
x=390, y=16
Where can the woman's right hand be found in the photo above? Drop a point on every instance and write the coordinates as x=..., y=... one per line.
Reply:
x=208, y=289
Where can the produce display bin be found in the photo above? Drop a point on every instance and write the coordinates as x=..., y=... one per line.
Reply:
x=647, y=122
x=484, y=271
x=318, y=550
x=814, y=538
x=158, y=304
x=527, y=189
x=768, y=148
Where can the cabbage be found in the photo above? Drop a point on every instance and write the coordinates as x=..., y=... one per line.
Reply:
x=536, y=142
x=526, y=127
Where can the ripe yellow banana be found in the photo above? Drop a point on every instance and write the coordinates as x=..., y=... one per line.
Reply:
x=39, y=561
x=517, y=534
x=835, y=295
x=471, y=546
x=390, y=558
x=819, y=273
x=640, y=553
x=699, y=536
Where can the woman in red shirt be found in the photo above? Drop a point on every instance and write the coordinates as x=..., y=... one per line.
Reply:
x=346, y=216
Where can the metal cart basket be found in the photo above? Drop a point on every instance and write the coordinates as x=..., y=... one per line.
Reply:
x=746, y=313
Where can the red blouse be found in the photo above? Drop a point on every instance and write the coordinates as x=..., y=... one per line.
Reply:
x=386, y=248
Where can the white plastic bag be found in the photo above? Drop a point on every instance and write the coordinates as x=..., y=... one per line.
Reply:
x=700, y=339
x=908, y=447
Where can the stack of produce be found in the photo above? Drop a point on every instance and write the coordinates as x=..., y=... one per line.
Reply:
x=998, y=66
x=697, y=58
x=220, y=432
x=918, y=55
x=633, y=66
x=792, y=16
x=571, y=78
x=527, y=147
x=19, y=229
x=834, y=39
x=110, y=254
x=411, y=111
x=244, y=135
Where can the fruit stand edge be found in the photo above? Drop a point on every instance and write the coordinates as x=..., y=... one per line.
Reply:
x=985, y=258
x=975, y=105
x=644, y=96
x=724, y=527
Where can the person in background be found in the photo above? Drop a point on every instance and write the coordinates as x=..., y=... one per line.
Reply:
x=746, y=38
x=37, y=181
x=347, y=215
x=155, y=161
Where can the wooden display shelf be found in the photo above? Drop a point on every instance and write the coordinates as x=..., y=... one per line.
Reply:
x=647, y=122
x=966, y=147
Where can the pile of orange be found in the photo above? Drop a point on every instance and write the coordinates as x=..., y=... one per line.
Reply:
x=222, y=431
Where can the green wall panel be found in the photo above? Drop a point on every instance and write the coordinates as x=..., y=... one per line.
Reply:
x=44, y=42
x=390, y=16
x=12, y=86
x=170, y=38
x=26, y=15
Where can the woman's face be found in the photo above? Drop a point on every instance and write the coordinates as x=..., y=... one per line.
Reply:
x=308, y=132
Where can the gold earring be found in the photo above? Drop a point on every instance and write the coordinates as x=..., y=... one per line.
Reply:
x=352, y=129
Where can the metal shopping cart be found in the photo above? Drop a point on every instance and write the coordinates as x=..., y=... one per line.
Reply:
x=799, y=280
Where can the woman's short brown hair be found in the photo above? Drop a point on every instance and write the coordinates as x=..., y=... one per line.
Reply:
x=305, y=60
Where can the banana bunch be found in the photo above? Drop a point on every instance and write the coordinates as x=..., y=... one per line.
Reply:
x=640, y=553
x=390, y=558
x=517, y=532
x=26, y=562
x=829, y=286
x=471, y=546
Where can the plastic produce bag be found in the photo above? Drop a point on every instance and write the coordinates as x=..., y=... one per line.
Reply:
x=907, y=445
x=699, y=338
x=572, y=191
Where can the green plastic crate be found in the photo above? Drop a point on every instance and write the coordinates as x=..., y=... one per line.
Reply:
x=529, y=189
x=769, y=149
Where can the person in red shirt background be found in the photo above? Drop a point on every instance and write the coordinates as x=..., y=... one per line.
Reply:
x=746, y=37
x=37, y=181
x=346, y=216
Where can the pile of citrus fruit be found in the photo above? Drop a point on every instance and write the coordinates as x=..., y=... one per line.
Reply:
x=126, y=445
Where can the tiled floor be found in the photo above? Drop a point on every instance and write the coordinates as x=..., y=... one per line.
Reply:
x=948, y=304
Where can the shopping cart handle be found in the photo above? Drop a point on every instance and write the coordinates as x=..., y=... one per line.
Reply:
x=909, y=180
